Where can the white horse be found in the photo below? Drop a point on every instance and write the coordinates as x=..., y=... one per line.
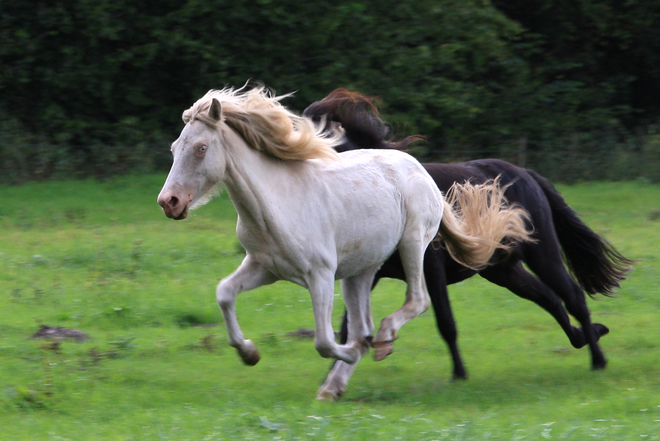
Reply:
x=310, y=216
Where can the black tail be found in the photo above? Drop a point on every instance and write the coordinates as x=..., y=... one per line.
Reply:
x=593, y=261
x=358, y=116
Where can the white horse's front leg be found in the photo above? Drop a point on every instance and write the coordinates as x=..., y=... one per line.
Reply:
x=336, y=382
x=357, y=294
x=249, y=275
x=321, y=289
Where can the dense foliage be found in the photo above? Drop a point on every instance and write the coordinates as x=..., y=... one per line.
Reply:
x=568, y=87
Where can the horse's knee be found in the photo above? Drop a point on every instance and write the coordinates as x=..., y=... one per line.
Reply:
x=223, y=295
x=326, y=349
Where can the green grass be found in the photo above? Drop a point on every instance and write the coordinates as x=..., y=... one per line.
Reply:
x=102, y=258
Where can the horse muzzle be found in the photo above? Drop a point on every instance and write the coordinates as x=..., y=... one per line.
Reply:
x=173, y=207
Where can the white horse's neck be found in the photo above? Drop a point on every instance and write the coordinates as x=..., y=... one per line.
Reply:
x=255, y=182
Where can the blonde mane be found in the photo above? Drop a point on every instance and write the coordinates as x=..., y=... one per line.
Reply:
x=265, y=124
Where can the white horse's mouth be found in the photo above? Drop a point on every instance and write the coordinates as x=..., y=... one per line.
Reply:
x=182, y=215
x=171, y=214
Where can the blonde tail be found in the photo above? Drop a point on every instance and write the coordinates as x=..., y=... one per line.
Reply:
x=477, y=221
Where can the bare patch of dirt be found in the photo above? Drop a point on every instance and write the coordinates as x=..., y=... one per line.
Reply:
x=59, y=333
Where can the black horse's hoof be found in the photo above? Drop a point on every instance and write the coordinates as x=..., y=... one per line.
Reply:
x=599, y=365
x=601, y=329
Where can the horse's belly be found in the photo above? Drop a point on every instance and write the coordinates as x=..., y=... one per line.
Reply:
x=366, y=251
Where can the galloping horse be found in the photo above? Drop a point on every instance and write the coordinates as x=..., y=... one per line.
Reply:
x=310, y=216
x=596, y=265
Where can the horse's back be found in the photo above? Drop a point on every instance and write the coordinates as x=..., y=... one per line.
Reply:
x=404, y=173
x=522, y=189
x=390, y=193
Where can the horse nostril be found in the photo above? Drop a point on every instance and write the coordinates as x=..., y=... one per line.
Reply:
x=173, y=202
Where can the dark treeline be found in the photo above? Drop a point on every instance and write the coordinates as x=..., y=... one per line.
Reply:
x=568, y=87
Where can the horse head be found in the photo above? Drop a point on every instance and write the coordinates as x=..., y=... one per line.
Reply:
x=218, y=125
x=198, y=166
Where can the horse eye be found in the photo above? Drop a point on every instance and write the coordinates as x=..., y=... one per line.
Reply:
x=202, y=149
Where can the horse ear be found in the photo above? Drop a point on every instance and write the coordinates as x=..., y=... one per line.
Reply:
x=215, y=112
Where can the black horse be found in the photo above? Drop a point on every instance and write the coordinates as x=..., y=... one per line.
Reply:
x=596, y=266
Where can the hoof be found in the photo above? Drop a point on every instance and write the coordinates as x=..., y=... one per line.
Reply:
x=251, y=359
x=331, y=390
x=599, y=365
x=601, y=330
x=459, y=377
x=382, y=349
x=579, y=341
x=327, y=395
x=250, y=355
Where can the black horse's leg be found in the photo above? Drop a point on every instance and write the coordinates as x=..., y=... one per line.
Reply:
x=343, y=330
x=557, y=278
x=525, y=285
x=436, y=284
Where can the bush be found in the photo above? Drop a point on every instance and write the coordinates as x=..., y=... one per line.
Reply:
x=96, y=88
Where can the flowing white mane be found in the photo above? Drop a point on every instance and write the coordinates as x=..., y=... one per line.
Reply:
x=265, y=124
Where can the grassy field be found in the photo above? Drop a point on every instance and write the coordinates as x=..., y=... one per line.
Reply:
x=102, y=258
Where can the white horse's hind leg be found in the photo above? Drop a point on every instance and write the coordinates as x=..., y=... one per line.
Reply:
x=417, y=300
x=249, y=275
x=424, y=209
x=357, y=292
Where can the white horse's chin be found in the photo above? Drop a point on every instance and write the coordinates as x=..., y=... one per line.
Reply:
x=205, y=198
